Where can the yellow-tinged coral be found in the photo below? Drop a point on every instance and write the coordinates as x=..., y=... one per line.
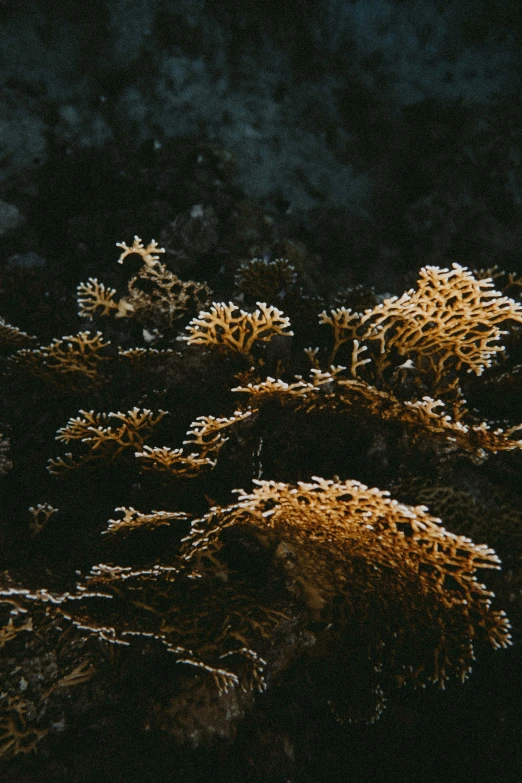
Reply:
x=134, y=520
x=173, y=462
x=449, y=322
x=13, y=337
x=345, y=541
x=16, y=736
x=95, y=299
x=323, y=570
x=230, y=327
x=71, y=361
x=425, y=417
x=156, y=297
x=126, y=431
x=41, y=515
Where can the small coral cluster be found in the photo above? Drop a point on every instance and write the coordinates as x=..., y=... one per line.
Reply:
x=330, y=576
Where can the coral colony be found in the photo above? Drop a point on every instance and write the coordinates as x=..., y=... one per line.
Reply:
x=296, y=570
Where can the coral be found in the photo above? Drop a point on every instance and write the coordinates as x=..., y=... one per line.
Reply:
x=330, y=391
x=173, y=462
x=18, y=737
x=13, y=337
x=343, y=539
x=41, y=515
x=11, y=629
x=133, y=520
x=230, y=327
x=330, y=579
x=267, y=280
x=69, y=362
x=156, y=297
x=129, y=432
x=450, y=322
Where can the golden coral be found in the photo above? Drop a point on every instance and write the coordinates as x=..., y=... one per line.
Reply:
x=106, y=435
x=204, y=623
x=349, y=571
x=134, y=520
x=94, y=298
x=372, y=576
x=149, y=252
x=228, y=326
x=206, y=433
x=173, y=462
x=13, y=337
x=426, y=417
x=11, y=629
x=17, y=736
x=345, y=541
x=449, y=323
x=156, y=297
x=41, y=515
x=69, y=362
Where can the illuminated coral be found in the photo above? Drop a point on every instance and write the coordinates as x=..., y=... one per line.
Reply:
x=230, y=327
x=424, y=418
x=346, y=542
x=13, y=337
x=128, y=431
x=450, y=322
x=325, y=579
x=134, y=520
x=156, y=297
x=69, y=362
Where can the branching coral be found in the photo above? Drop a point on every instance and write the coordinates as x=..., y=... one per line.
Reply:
x=133, y=520
x=13, y=337
x=70, y=361
x=105, y=441
x=346, y=540
x=423, y=418
x=450, y=322
x=314, y=575
x=156, y=297
x=230, y=327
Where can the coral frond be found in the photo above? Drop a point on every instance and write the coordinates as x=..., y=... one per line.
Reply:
x=13, y=337
x=134, y=520
x=69, y=361
x=230, y=327
x=95, y=299
x=107, y=435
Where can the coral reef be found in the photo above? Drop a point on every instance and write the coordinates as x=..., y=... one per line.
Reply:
x=329, y=579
